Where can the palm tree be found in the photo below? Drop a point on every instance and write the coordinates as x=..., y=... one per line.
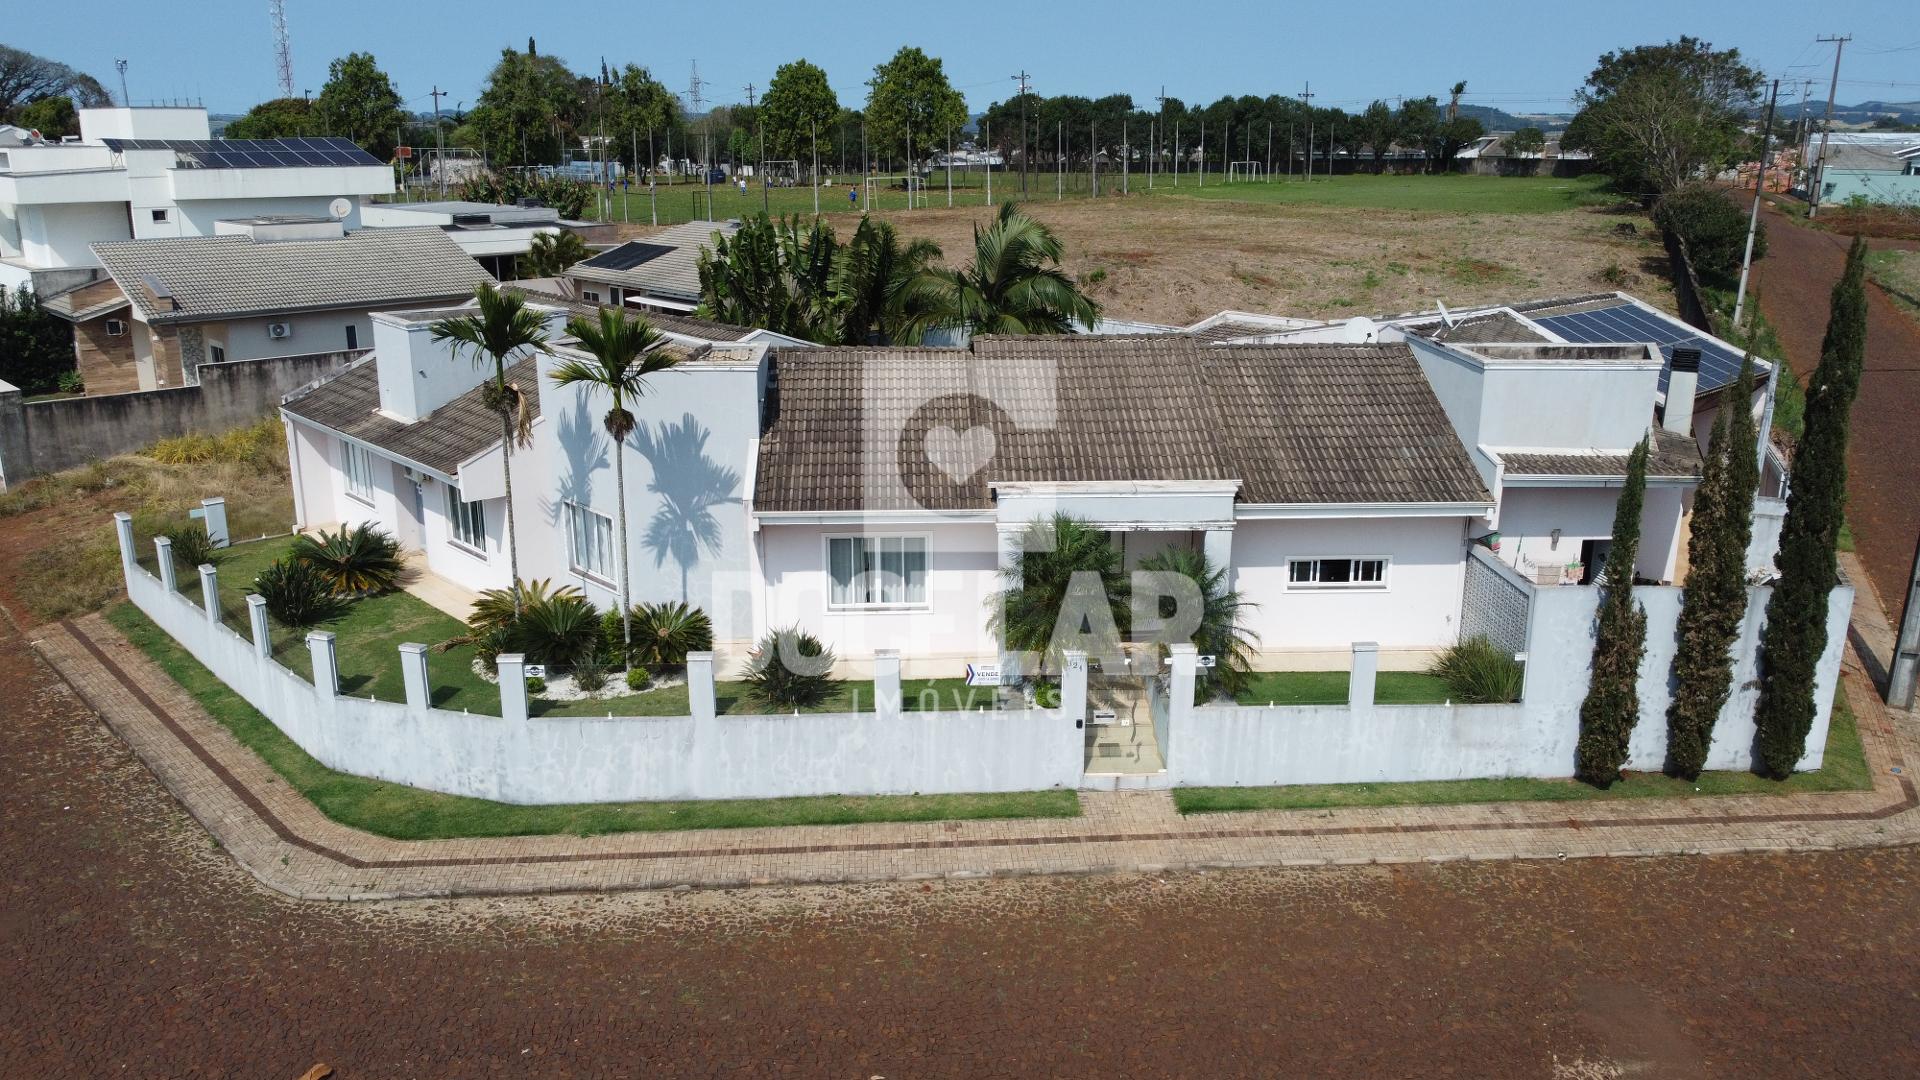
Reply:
x=1038, y=583
x=502, y=325
x=1015, y=286
x=1221, y=633
x=626, y=351
x=552, y=253
x=874, y=276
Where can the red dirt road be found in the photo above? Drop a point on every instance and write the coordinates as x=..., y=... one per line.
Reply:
x=132, y=947
x=1883, y=463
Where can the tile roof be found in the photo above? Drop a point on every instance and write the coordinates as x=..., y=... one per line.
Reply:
x=674, y=274
x=87, y=302
x=1295, y=423
x=349, y=403
x=216, y=277
x=1671, y=455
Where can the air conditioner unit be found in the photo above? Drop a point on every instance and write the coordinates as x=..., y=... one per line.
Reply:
x=279, y=330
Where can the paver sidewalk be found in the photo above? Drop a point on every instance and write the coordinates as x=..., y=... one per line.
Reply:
x=291, y=847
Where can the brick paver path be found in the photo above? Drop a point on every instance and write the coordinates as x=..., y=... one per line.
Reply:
x=285, y=842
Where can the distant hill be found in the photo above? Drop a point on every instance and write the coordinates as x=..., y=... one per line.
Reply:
x=1862, y=113
x=1500, y=120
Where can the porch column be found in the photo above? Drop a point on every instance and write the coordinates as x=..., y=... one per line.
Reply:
x=326, y=664
x=163, y=554
x=210, y=591
x=513, y=685
x=1361, y=678
x=1217, y=545
x=257, y=619
x=413, y=673
x=886, y=684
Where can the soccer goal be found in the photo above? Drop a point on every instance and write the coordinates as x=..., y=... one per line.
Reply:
x=1243, y=172
x=915, y=190
x=780, y=174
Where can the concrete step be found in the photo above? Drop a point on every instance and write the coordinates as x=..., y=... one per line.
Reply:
x=1142, y=781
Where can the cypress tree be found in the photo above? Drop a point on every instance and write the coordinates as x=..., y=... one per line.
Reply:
x=1612, y=704
x=1715, y=599
x=1796, y=631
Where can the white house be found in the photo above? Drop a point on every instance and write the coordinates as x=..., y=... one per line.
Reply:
x=659, y=272
x=136, y=173
x=494, y=234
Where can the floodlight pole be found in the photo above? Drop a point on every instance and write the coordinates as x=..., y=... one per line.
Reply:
x=813, y=133
x=1153, y=139
x=1176, y=153
x=1203, y=153
x=1022, y=80
x=986, y=136
x=1753, y=219
x=1059, y=160
x=1093, y=158
x=1269, y=176
x=1126, y=159
x=1306, y=101
x=949, y=168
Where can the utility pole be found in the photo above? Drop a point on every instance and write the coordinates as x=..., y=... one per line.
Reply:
x=439, y=140
x=1203, y=153
x=1059, y=160
x=1759, y=187
x=1306, y=100
x=1817, y=184
x=1093, y=157
x=1269, y=176
x=813, y=133
x=762, y=167
x=1022, y=80
x=1126, y=159
x=1906, y=646
x=1176, y=153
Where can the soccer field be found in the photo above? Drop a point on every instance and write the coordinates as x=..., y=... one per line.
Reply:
x=1449, y=192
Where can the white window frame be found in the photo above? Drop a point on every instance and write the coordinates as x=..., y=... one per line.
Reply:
x=879, y=540
x=605, y=539
x=216, y=352
x=160, y=216
x=1350, y=585
x=358, y=482
x=458, y=527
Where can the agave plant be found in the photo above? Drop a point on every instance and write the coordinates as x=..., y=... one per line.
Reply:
x=192, y=548
x=359, y=561
x=789, y=670
x=297, y=593
x=1480, y=672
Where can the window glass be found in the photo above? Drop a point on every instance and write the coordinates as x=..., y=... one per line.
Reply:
x=877, y=571
x=359, y=471
x=592, y=541
x=466, y=521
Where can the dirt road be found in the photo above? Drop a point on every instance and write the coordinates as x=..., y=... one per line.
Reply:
x=1795, y=281
x=132, y=947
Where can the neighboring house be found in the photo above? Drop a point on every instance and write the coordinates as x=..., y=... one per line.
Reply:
x=660, y=272
x=137, y=173
x=1878, y=166
x=265, y=287
x=492, y=233
x=565, y=292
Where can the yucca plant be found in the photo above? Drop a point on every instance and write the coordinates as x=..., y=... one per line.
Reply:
x=297, y=593
x=1478, y=672
x=192, y=548
x=360, y=561
x=789, y=670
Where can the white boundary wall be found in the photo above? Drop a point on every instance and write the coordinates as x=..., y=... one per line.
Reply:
x=1231, y=745
x=515, y=759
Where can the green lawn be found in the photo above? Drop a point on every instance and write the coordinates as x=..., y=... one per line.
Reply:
x=1845, y=769
x=1330, y=688
x=407, y=813
x=1452, y=193
x=1897, y=272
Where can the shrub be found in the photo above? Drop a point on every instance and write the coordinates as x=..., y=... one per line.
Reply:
x=1713, y=224
x=638, y=679
x=560, y=630
x=192, y=547
x=536, y=685
x=262, y=445
x=770, y=676
x=297, y=594
x=70, y=382
x=663, y=634
x=1479, y=672
x=1616, y=275
x=590, y=677
x=359, y=561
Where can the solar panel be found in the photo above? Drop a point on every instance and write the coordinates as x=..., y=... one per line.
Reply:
x=1629, y=323
x=628, y=255
x=253, y=153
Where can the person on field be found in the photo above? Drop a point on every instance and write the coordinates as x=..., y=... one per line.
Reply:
x=853, y=196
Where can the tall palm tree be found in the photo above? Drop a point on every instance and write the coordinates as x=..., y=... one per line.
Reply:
x=626, y=351
x=502, y=326
x=1015, y=286
x=874, y=277
x=1222, y=633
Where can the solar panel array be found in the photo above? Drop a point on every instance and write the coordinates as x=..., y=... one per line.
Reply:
x=629, y=255
x=1629, y=323
x=290, y=153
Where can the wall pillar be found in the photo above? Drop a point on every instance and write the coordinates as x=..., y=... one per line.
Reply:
x=163, y=553
x=1217, y=545
x=326, y=664
x=123, y=528
x=213, y=512
x=886, y=683
x=1184, y=661
x=1361, y=678
x=257, y=620
x=413, y=672
x=1073, y=685
x=700, y=703
x=513, y=685
x=210, y=591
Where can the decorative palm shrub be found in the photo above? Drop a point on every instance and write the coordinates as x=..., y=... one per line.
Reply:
x=1479, y=672
x=1222, y=633
x=663, y=634
x=771, y=676
x=360, y=561
x=192, y=547
x=297, y=594
x=561, y=630
x=1046, y=574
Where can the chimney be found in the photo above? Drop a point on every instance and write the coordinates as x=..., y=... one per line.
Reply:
x=1683, y=380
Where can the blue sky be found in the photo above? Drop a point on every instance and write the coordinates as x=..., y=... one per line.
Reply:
x=1517, y=56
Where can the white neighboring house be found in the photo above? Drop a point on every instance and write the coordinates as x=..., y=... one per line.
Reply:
x=494, y=234
x=136, y=173
x=263, y=287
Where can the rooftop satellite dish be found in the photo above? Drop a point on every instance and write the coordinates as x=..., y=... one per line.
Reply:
x=338, y=209
x=1362, y=329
